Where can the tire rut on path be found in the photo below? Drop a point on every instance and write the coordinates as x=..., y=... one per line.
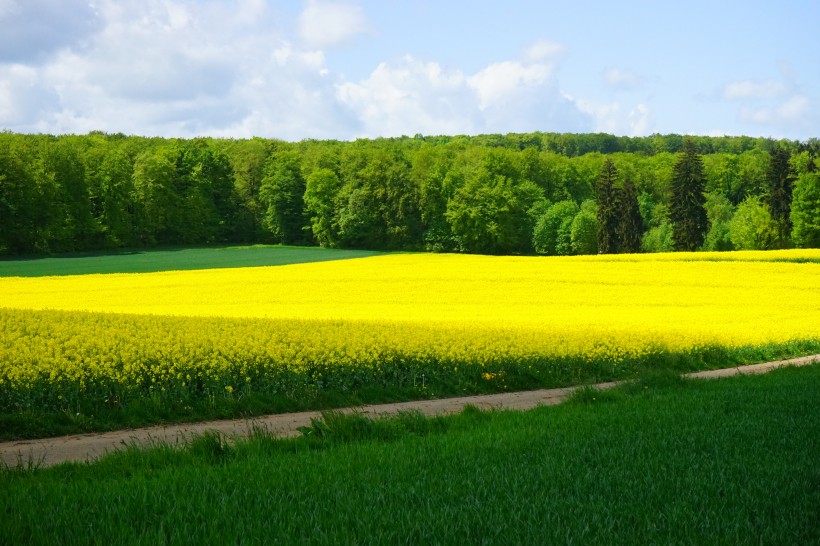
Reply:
x=87, y=447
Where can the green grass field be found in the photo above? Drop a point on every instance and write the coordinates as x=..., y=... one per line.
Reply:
x=146, y=261
x=660, y=461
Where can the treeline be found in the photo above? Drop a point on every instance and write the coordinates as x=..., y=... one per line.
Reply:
x=518, y=193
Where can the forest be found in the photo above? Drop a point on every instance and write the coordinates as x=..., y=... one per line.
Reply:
x=543, y=193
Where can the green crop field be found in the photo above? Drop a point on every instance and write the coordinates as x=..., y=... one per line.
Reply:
x=659, y=461
x=145, y=261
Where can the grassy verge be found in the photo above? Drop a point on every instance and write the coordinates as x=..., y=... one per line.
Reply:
x=730, y=461
x=395, y=379
x=146, y=261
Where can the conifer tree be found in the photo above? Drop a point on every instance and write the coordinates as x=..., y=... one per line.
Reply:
x=630, y=228
x=606, y=194
x=781, y=182
x=686, y=208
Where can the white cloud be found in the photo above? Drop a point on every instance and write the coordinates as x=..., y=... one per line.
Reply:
x=617, y=78
x=230, y=68
x=324, y=24
x=794, y=111
x=498, y=81
x=411, y=96
x=640, y=120
x=23, y=97
x=172, y=68
x=32, y=30
x=611, y=118
x=748, y=89
x=544, y=51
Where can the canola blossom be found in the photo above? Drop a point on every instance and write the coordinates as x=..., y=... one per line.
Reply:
x=389, y=319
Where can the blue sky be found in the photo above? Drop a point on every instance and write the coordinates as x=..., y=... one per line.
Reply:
x=343, y=69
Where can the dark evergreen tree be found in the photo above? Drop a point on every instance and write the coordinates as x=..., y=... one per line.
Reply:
x=630, y=228
x=607, y=198
x=686, y=207
x=780, y=180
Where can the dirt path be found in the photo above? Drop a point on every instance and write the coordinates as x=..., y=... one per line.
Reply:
x=50, y=451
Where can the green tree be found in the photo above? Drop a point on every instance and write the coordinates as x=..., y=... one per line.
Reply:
x=203, y=199
x=630, y=226
x=248, y=159
x=154, y=199
x=608, y=213
x=378, y=203
x=780, y=181
x=584, y=229
x=282, y=195
x=491, y=211
x=658, y=238
x=433, y=174
x=752, y=227
x=805, y=210
x=18, y=199
x=719, y=211
x=686, y=206
x=552, y=234
x=321, y=190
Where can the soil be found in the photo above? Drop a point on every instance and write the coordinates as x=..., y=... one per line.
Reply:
x=87, y=447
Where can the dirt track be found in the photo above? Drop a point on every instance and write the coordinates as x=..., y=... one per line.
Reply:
x=83, y=447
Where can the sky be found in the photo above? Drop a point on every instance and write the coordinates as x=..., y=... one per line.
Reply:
x=347, y=69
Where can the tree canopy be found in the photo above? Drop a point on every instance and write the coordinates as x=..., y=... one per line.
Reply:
x=486, y=193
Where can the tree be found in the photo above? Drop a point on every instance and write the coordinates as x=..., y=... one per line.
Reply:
x=752, y=227
x=607, y=197
x=248, y=159
x=630, y=227
x=584, y=229
x=321, y=190
x=658, y=238
x=686, y=206
x=805, y=210
x=780, y=181
x=205, y=182
x=282, y=194
x=491, y=211
x=153, y=197
x=553, y=231
x=18, y=200
x=719, y=211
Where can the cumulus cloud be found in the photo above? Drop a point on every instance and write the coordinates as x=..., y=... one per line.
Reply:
x=793, y=111
x=235, y=68
x=34, y=29
x=617, y=78
x=411, y=96
x=324, y=24
x=749, y=89
x=24, y=98
x=175, y=68
x=544, y=51
x=498, y=81
x=613, y=118
x=776, y=105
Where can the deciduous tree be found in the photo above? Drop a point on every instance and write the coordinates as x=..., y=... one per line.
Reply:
x=630, y=227
x=805, y=210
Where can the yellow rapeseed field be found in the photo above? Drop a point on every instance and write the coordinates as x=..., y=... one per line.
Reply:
x=359, y=319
